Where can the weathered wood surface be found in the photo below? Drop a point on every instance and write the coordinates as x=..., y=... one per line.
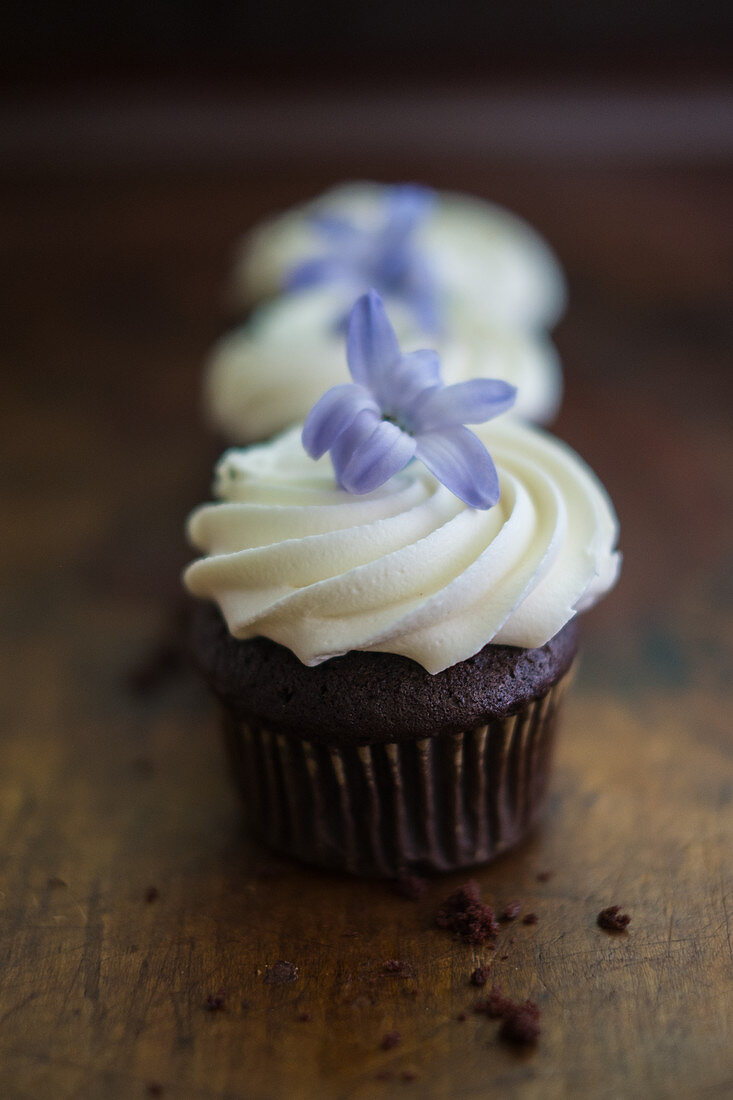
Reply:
x=113, y=292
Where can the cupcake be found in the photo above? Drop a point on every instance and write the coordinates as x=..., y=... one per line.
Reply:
x=267, y=374
x=449, y=257
x=391, y=628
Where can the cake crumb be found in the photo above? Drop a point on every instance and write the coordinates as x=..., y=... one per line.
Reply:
x=511, y=911
x=481, y=975
x=305, y=1017
x=390, y=1040
x=461, y=1017
x=531, y=918
x=280, y=973
x=163, y=661
x=152, y=894
x=154, y=1088
x=384, y=1075
x=521, y=1023
x=495, y=1005
x=544, y=876
x=409, y=1075
x=399, y=967
x=216, y=1002
x=464, y=913
x=612, y=919
x=411, y=887
x=520, y=1020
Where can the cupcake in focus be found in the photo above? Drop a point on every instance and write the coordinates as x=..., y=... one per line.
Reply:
x=448, y=257
x=267, y=374
x=390, y=628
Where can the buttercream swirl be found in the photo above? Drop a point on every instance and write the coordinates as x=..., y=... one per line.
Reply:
x=408, y=568
x=485, y=259
x=269, y=373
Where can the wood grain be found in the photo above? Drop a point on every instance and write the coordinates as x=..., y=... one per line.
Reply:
x=113, y=293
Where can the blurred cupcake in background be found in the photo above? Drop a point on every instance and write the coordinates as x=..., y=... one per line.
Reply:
x=450, y=258
x=465, y=277
x=268, y=373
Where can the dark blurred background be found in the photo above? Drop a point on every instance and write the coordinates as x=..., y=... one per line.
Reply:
x=193, y=81
x=392, y=38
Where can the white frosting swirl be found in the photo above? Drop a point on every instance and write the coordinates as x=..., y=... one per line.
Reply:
x=486, y=260
x=269, y=373
x=408, y=568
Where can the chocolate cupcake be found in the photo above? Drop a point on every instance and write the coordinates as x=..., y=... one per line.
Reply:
x=369, y=764
x=391, y=644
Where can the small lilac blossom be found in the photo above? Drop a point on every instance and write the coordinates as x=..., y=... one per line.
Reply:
x=383, y=256
x=398, y=408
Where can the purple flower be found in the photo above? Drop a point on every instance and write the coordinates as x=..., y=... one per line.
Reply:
x=383, y=256
x=398, y=408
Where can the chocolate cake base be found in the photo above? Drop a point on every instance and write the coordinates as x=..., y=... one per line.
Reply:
x=389, y=769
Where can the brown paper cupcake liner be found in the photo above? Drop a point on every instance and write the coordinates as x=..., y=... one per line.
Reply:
x=435, y=804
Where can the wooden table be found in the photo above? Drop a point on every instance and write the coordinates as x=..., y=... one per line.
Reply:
x=129, y=895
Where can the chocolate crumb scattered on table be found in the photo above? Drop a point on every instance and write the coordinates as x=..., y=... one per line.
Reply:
x=531, y=918
x=511, y=911
x=216, y=1002
x=544, y=876
x=390, y=1040
x=612, y=919
x=409, y=1075
x=399, y=967
x=305, y=1017
x=280, y=973
x=481, y=975
x=154, y=1088
x=411, y=887
x=464, y=913
x=496, y=1005
x=152, y=894
x=164, y=660
x=521, y=1023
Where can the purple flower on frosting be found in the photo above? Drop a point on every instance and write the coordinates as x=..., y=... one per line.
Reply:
x=398, y=408
x=382, y=256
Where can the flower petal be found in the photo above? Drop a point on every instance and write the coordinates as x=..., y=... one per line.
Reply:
x=408, y=380
x=336, y=229
x=407, y=204
x=333, y=414
x=371, y=344
x=420, y=292
x=369, y=452
x=470, y=402
x=460, y=460
x=321, y=269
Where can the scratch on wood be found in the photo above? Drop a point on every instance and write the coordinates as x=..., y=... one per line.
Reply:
x=92, y=953
x=727, y=919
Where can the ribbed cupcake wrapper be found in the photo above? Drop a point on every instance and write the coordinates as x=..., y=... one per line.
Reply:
x=434, y=804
